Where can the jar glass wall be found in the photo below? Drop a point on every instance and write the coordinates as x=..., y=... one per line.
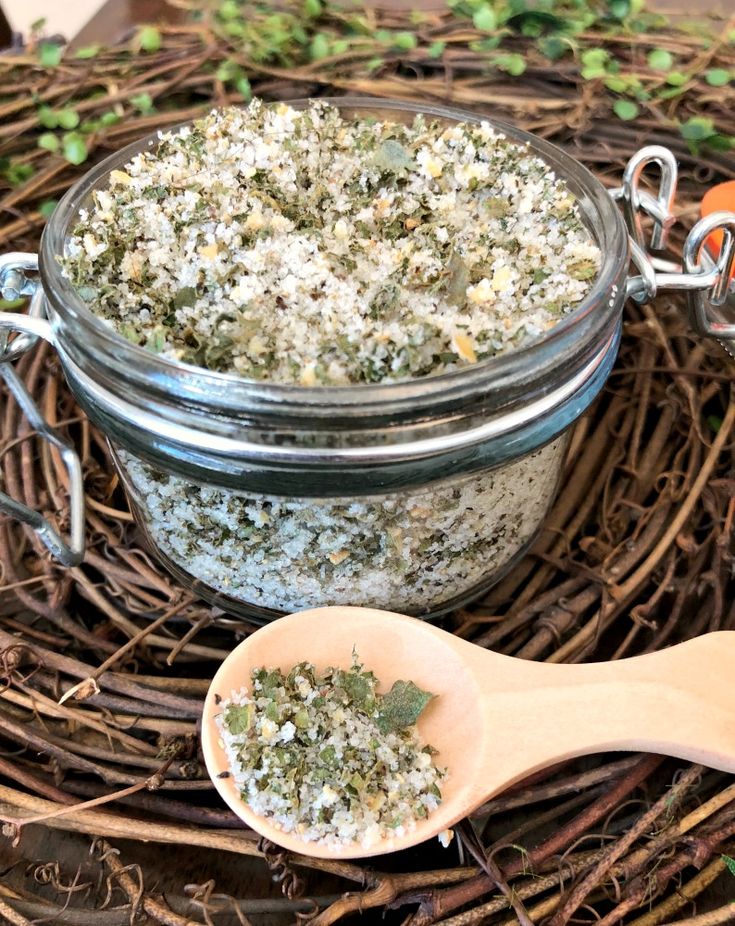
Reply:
x=420, y=551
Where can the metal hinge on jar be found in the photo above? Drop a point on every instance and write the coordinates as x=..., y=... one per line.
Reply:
x=708, y=282
x=15, y=284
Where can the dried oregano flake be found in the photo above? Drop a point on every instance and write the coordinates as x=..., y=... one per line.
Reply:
x=327, y=756
x=305, y=247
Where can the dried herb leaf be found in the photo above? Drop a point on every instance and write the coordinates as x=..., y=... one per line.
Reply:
x=402, y=706
x=393, y=157
x=457, y=281
x=185, y=297
x=239, y=718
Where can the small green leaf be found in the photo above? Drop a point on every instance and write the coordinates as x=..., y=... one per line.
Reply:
x=227, y=70
x=149, y=39
x=616, y=84
x=729, y=863
x=47, y=117
x=619, y=8
x=553, y=47
x=47, y=207
x=109, y=118
x=88, y=51
x=485, y=19
x=595, y=57
x=319, y=46
x=339, y=47
x=402, y=706
x=312, y=7
x=513, y=64
x=595, y=63
x=242, y=85
x=660, y=60
x=49, y=142
x=229, y=10
x=717, y=77
x=676, y=79
x=17, y=174
x=720, y=142
x=50, y=55
x=436, y=49
x=697, y=128
x=143, y=102
x=714, y=423
x=405, y=41
x=7, y=305
x=75, y=148
x=625, y=109
x=68, y=119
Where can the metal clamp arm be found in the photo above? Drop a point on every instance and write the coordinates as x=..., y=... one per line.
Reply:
x=707, y=282
x=13, y=283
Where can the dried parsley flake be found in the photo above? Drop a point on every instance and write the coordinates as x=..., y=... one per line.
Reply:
x=327, y=756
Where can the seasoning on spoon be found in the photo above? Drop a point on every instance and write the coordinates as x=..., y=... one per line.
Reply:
x=326, y=756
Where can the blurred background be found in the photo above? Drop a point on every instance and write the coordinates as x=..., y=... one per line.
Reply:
x=107, y=20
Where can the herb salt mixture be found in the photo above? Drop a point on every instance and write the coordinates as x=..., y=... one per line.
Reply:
x=404, y=552
x=304, y=247
x=326, y=756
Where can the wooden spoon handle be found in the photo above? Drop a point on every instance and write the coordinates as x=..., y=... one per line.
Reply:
x=678, y=702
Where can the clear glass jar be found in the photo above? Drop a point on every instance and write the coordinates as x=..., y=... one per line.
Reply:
x=414, y=496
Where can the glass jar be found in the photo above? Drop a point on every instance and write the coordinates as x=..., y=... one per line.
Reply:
x=415, y=496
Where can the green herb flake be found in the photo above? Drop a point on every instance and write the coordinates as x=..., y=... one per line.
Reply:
x=393, y=157
x=239, y=718
x=402, y=706
x=185, y=297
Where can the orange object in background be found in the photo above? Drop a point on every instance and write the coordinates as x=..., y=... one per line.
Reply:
x=719, y=198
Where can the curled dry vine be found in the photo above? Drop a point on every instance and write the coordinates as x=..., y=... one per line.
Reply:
x=104, y=667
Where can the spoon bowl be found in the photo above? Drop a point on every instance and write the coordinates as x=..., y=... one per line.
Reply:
x=495, y=719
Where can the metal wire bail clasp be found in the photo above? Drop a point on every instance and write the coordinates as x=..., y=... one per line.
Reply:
x=15, y=284
x=704, y=301
x=659, y=207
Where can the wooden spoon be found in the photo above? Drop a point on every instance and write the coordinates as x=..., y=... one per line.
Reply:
x=495, y=719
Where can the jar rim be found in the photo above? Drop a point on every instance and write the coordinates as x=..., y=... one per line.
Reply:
x=239, y=391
